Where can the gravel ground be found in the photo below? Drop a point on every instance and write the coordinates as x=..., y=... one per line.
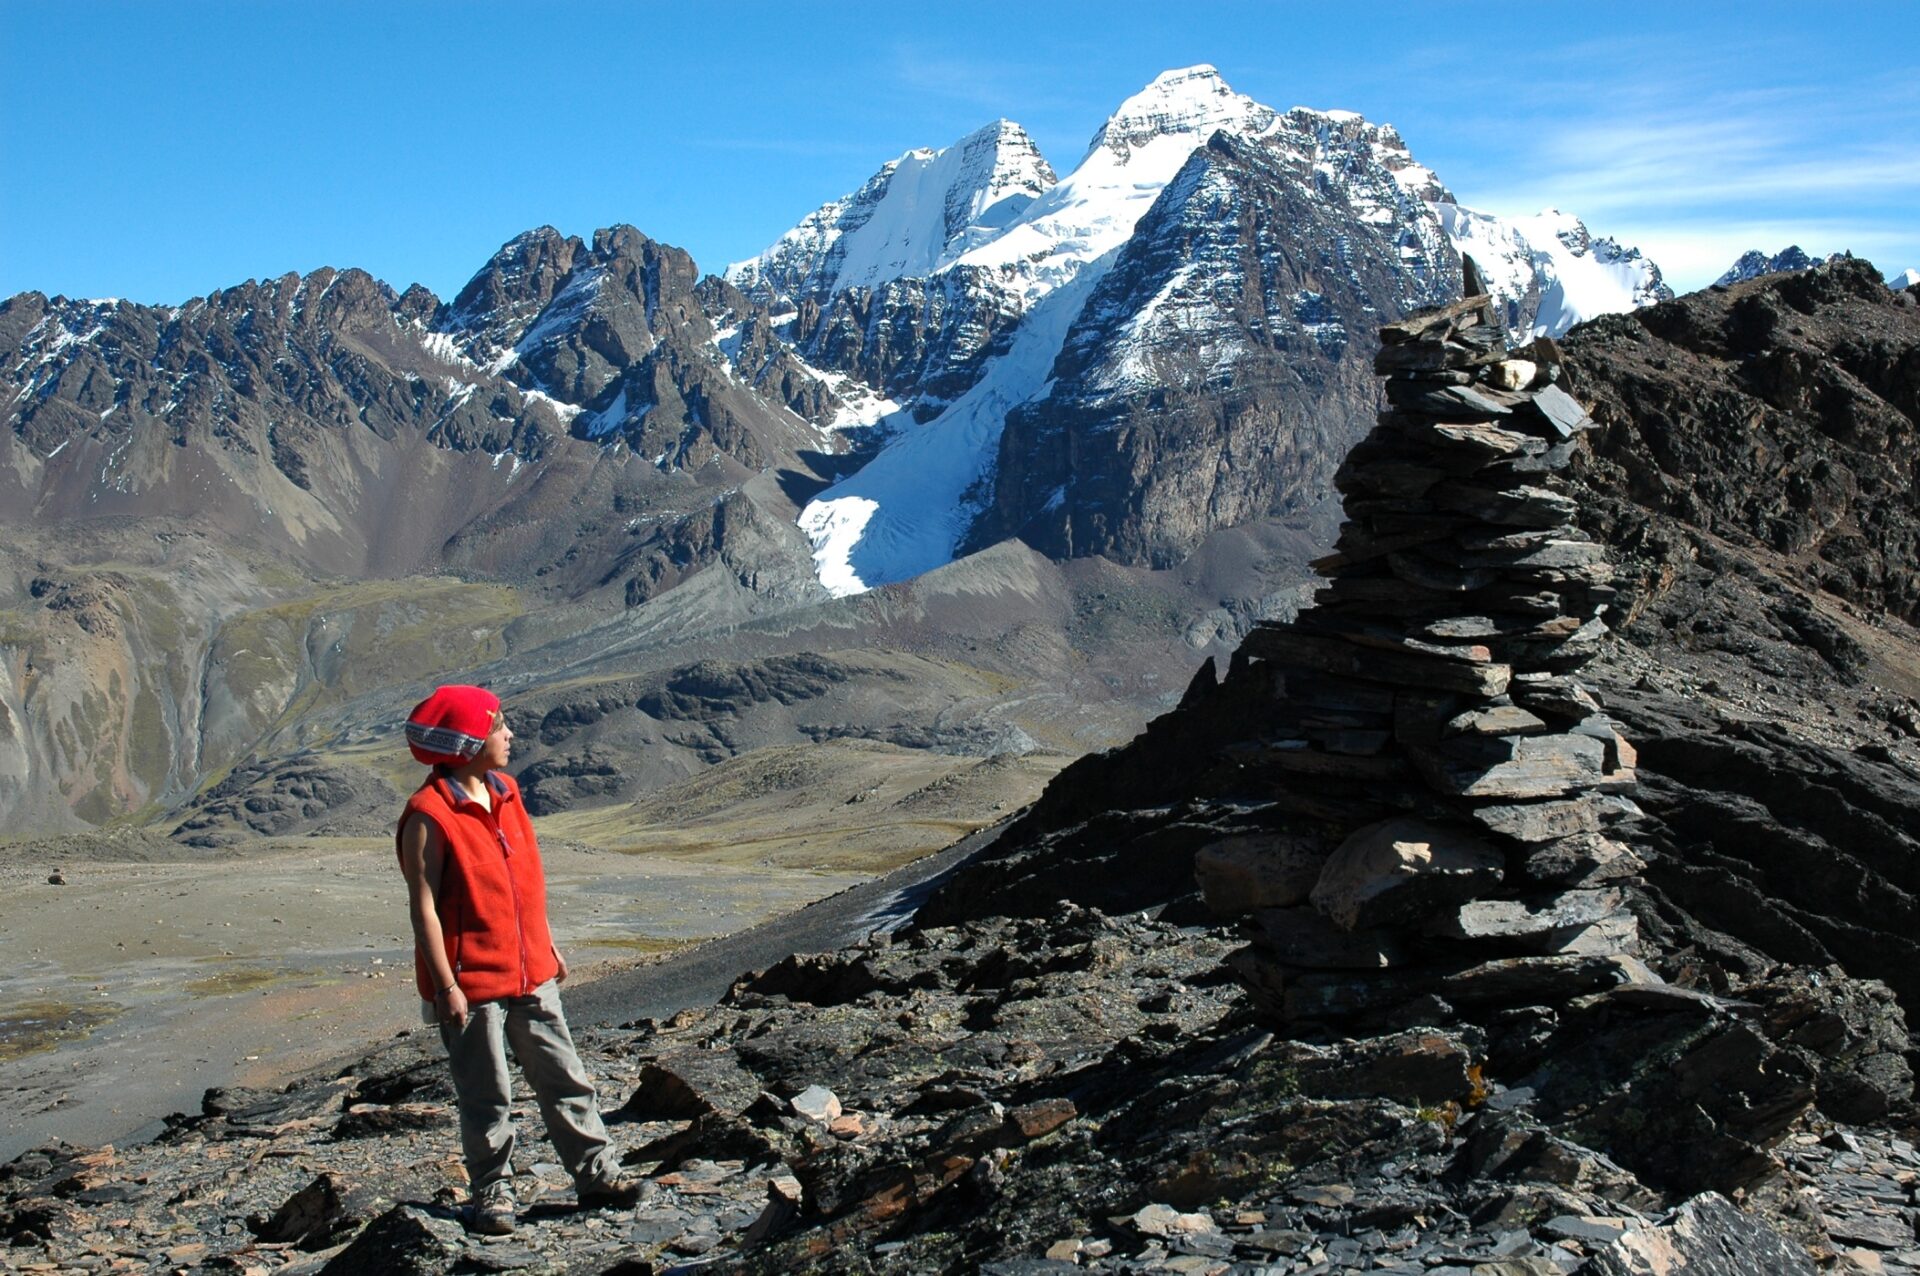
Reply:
x=133, y=987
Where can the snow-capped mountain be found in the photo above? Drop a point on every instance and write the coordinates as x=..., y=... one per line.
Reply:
x=1167, y=341
x=912, y=217
x=909, y=509
x=988, y=324
x=1549, y=271
x=1753, y=263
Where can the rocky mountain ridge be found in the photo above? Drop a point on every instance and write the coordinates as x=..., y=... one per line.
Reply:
x=1753, y=263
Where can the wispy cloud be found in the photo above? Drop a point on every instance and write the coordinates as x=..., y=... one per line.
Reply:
x=1696, y=169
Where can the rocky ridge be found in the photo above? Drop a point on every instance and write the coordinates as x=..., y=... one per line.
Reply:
x=1753, y=263
x=1537, y=1057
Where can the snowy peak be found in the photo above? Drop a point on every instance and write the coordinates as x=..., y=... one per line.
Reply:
x=990, y=200
x=1191, y=103
x=1753, y=263
x=1905, y=279
x=919, y=210
x=1548, y=271
x=996, y=172
x=1135, y=154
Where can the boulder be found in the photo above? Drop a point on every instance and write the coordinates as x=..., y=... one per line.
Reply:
x=1419, y=1066
x=1164, y=1220
x=404, y=1241
x=816, y=1103
x=1577, y=921
x=691, y=1083
x=1259, y=870
x=1402, y=870
x=309, y=1219
x=1707, y=1236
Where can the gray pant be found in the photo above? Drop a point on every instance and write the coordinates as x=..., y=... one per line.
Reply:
x=537, y=1029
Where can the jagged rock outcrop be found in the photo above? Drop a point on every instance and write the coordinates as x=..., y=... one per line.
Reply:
x=1780, y=412
x=1753, y=263
x=924, y=341
x=285, y=798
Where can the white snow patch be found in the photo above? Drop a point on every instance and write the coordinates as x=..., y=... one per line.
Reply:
x=615, y=416
x=861, y=406
x=565, y=411
x=442, y=346
x=564, y=312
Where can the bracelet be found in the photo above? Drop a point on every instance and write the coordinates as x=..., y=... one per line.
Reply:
x=444, y=991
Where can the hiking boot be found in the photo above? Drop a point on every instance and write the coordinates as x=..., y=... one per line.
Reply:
x=493, y=1209
x=616, y=1193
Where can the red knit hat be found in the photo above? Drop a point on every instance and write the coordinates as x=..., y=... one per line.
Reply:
x=449, y=726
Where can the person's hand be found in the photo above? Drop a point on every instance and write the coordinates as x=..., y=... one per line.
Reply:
x=453, y=1007
x=561, y=977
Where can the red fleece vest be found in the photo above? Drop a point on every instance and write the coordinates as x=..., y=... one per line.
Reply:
x=492, y=899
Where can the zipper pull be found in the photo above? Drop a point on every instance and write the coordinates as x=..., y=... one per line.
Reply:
x=505, y=845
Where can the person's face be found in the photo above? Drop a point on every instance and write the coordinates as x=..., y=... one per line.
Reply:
x=499, y=745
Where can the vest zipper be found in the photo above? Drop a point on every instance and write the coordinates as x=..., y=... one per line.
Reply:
x=513, y=888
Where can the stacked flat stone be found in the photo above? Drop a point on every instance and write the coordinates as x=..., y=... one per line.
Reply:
x=1453, y=780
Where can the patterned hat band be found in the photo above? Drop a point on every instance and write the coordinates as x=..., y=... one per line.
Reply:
x=443, y=740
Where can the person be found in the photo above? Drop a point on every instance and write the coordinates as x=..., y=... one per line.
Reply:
x=485, y=961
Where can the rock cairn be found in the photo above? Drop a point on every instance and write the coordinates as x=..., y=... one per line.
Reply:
x=1455, y=780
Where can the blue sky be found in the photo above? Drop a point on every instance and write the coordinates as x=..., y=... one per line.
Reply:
x=158, y=151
